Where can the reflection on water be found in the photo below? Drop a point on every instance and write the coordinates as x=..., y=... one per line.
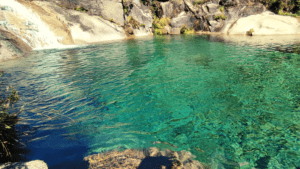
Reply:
x=227, y=100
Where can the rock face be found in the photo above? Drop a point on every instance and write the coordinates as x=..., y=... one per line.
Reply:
x=85, y=28
x=146, y=158
x=36, y=164
x=142, y=15
x=266, y=24
x=236, y=12
x=108, y=9
x=11, y=46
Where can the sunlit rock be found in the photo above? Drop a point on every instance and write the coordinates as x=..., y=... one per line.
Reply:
x=26, y=24
x=183, y=19
x=131, y=158
x=168, y=9
x=266, y=23
x=36, y=164
x=11, y=46
x=85, y=28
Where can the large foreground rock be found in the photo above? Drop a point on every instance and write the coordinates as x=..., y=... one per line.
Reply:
x=266, y=23
x=147, y=158
x=36, y=164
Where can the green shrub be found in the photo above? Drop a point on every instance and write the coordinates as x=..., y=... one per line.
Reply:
x=200, y=2
x=143, y=25
x=221, y=8
x=126, y=9
x=134, y=23
x=288, y=7
x=280, y=12
x=250, y=32
x=80, y=8
x=185, y=30
x=158, y=32
x=8, y=121
x=160, y=23
x=220, y=17
x=111, y=20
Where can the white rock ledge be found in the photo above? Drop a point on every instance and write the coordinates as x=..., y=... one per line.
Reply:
x=266, y=23
x=36, y=164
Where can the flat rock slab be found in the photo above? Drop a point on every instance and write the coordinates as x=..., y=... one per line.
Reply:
x=36, y=164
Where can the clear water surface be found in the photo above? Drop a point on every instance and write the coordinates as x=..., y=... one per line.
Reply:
x=226, y=102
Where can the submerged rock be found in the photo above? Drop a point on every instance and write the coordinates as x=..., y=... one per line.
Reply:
x=150, y=157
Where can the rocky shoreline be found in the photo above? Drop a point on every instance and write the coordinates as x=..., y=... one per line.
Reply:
x=75, y=22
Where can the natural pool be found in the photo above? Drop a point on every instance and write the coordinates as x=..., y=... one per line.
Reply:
x=226, y=102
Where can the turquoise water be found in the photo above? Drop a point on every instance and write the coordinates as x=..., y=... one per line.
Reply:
x=227, y=103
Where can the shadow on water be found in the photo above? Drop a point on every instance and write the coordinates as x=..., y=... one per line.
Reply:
x=155, y=163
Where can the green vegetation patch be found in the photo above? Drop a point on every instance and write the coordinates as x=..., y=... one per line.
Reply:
x=81, y=9
x=134, y=23
x=250, y=32
x=200, y=2
x=288, y=7
x=221, y=8
x=159, y=24
x=185, y=30
x=7, y=123
x=220, y=17
x=158, y=32
x=126, y=9
x=289, y=14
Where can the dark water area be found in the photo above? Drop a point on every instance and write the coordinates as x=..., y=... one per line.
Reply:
x=227, y=100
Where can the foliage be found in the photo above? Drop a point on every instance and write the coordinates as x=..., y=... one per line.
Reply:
x=143, y=25
x=280, y=12
x=80, y=8
x=160, y=23
x=221, y=8
x=185, y=30
x=200, y=2
x=111, y=20
x=288, y=7
x=126, y=9
x=250, y=32
x=220, y=17
x=8, y=121
x=134, y=23
x=158, y=32
x=145, y=2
